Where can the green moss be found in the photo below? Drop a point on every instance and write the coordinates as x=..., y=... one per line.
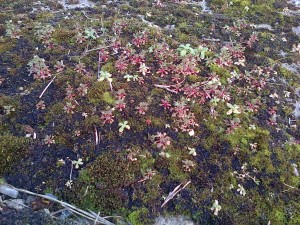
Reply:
x=288, y=75
x=9, y=107
x=194, y=78
x=222, y=72
x=53, y=112
x=63, y=35
x=3, y=16
x=293, y=149
x=241, y=137
x=182, y=37
x=108, y=98
x=109, y=67
x=45, y=15
x=6, y=46
x=138, y=216
x=157, y=92
x=241, y=2
x=262, y=161
x=151, y=193
x=175, y=165
x=105, y=178
x=294, y=218
x=12, y=150
x=90, y=121
x=278, y=216
x=157, y=122
x=96, y=93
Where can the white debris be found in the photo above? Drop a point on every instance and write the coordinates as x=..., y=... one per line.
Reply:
x=81, y=4
x=263, y=26
x=296, y=172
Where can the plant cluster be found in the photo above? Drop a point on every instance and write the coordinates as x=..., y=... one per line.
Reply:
x=141, y=113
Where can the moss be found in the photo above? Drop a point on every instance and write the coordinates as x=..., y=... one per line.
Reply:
x=106, y=178
x=157, y=92
x=150, y=194
x=175, y=165
x=241, y=2
x=294, y=211
x=109, y=67
x=277, y=216
x=96, y=93
x=138, y=216
x=293, y=149
x=3, y=17
x=6, y=46
x=157, y=122
x=241, y=137
x=288, y=75
x=221, y=71
x=136, y=124
x=53, y=112
x=45, y=15
x=63, y=35
x=182, y=37
x=262, y=161
x=12, y=150
x=90, y=121
x=194, y=78
x=108, y=98
x=9, y=107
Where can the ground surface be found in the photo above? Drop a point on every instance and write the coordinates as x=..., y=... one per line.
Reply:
x=112, y=107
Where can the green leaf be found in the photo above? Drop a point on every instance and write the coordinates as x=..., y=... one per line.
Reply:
x=123, y=125
x=90, y=33
x=104, y=75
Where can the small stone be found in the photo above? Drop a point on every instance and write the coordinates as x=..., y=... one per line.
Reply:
x=6, y=190
x=15, y=204
x=30, y=199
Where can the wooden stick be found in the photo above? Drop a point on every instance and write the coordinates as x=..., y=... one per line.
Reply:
x=176, y=190
x=41, y=95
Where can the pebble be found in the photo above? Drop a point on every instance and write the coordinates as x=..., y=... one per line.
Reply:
x=15, y=203
x=6, y=190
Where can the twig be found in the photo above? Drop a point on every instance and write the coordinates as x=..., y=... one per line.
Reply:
x=84, y=13
x=58, y=211
x=111, y=87
x=41, y=95
x=211, y=39
x=71, y=172
x=290, y=186
x=96, y=136
x=99, y=66
x=68, y=206
x=175, y=192
x=166, y=87
x=86, y=191
x=98, y=48
x=97, y=218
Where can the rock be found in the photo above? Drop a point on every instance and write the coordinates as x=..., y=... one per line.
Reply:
x=15, y=204
x=263, y=26
x=6, y=190
x=77, y=4
x=29, y=199
x=296, y=30
x=180, y=220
